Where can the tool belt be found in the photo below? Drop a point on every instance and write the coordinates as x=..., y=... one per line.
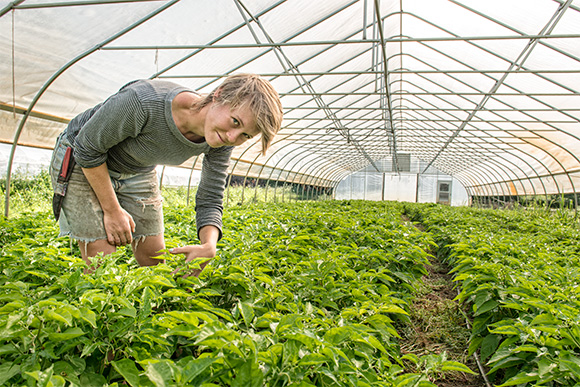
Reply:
x=66, y=169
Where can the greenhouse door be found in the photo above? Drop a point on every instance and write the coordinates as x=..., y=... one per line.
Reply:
x=444, y=192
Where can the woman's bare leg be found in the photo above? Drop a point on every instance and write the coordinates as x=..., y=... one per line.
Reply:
x=147, y=247
x=92, y=249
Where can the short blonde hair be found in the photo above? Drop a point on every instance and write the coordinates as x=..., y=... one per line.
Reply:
x=261, y=97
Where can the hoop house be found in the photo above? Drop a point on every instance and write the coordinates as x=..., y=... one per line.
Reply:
x=484, y=92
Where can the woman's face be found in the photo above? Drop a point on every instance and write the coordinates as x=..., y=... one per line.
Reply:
x=225, y=126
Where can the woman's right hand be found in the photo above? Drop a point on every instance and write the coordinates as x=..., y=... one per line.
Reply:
x=119, y=226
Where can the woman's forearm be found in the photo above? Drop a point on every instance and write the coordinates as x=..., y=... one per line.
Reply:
x=208, y=237
x=100, y=182
x=119, y=224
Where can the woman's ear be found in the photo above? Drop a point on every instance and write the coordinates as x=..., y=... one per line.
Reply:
x=216, y=94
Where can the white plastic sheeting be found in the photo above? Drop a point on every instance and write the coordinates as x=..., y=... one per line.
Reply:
x=29, y=161
x=405, y=187
x=485, y=91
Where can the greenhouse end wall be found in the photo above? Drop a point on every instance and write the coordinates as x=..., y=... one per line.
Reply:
x=408, y=187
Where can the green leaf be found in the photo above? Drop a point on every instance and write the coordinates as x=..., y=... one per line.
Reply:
x=160, y=373
x=300, y=238
x=50, y=314
x=13, y=319
x=264, y=278
x=74, y=278
x=304, y=383
x=412, y=357
x=387, y=280
x=489, y=345
x=177, y=293
x=88, y=349
x=182, y=330
x=407, y=380
x=474, y=345
x=216, y=331
x=486, y=307
x=376, y=344
x=89, y=316
x=248, y=375
x=506, y=330
x=67, y=371
x=92, y=380
x=128, y=370
x=197, y=262
x=239, y=279
x=158, y=280
x=308, y=340
x=129, y=312
x=70, y=333
x=121, y=328
x=78, y=364
x=247, y=312
x=330, y=375
x=7, y=349
x=526, y=348
x=193, y=368
x=188, y=317
x=520, y=379
x=145, y=309
x=499, y=355
x=507, y=362
x=37, y=274
x=569, y=362
x=481, y=297
x=393, y=309
x=449, y=365
x=7, y=371
x=45, y=378
x=514, y=305
x=312, y=359
x=192, y=318
x=545, y=319
x=546, y=366
x=209, y=293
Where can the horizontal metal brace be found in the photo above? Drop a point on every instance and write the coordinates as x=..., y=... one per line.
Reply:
x=337, y=42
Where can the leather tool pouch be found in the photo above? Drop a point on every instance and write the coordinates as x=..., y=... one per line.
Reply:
x=66, y=169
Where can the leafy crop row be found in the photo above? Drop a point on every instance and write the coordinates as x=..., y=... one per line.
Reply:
x=300, y=294
x=520, y=273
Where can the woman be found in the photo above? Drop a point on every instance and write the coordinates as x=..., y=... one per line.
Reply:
x=109, y=191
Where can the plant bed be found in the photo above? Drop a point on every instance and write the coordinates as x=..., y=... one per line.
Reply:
x=305, y=294
x=518, y=273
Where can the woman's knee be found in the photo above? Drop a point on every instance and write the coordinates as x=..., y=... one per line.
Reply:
x=147, y=249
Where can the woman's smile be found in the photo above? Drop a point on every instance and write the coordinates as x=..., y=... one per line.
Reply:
x=225, y=126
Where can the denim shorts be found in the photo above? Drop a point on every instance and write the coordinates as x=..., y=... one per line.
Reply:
x=82, y=216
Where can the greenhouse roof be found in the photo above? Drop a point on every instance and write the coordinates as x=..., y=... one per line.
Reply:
x=486, y=91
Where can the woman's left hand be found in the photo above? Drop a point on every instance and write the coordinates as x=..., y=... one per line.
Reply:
x=195, y=251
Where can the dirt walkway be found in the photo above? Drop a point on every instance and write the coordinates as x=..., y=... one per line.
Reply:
x=438, y=326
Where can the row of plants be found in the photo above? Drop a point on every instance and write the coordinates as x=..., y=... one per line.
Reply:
x=519, y=273
x=301, y=294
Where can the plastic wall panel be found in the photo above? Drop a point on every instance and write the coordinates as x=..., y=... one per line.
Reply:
x=400, y=187
x=39, y=132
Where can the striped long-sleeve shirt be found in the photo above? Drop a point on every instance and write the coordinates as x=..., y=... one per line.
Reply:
x=133, y=131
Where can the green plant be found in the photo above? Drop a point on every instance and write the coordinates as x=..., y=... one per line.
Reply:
x=518, y=271
x=305, y=294
x=28, y=193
